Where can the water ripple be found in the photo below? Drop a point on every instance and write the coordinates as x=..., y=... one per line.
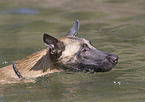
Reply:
x=27, y=11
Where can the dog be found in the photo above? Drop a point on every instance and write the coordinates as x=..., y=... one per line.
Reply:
x=68, y=53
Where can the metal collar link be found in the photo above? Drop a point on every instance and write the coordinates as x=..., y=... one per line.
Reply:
x=16, y=71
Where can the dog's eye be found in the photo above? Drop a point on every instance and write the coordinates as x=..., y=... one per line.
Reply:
x=85, y=45
x=85, y=48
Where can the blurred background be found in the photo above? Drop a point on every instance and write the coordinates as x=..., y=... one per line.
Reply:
x=115, y=26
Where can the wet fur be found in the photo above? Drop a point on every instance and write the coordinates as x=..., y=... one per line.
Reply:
x=36, y=60
x=68, y=53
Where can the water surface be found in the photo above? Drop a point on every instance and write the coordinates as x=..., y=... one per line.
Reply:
x=115, y=26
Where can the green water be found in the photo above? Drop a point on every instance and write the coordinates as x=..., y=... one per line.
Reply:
x=116, y=26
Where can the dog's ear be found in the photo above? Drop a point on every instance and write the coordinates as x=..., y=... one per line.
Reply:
x=74, y=30
x=50, y=41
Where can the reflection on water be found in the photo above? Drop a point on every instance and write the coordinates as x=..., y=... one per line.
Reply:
x=20, y=11
x=115, y=26
x=11, y=27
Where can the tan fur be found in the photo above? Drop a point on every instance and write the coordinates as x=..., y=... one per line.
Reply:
x=7, y=74
x=40, y=59
x=71, y=47
x=43, y=62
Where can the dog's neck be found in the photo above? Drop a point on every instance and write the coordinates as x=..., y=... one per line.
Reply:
x=36, y=64
x=44, y=63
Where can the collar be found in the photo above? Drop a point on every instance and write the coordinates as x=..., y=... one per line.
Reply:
x=16, y=71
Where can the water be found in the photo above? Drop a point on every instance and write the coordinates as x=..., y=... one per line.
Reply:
x=115, y=26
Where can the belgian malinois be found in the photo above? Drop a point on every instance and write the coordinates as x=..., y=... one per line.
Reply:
x=68, y=53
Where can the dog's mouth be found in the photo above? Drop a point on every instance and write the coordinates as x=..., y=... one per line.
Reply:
x=89, y=69
x=103, y=67
x=84, y=70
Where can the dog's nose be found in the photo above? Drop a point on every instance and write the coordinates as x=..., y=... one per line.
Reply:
x=113, y=58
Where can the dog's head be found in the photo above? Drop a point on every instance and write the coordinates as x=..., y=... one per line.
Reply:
x=78, y=54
